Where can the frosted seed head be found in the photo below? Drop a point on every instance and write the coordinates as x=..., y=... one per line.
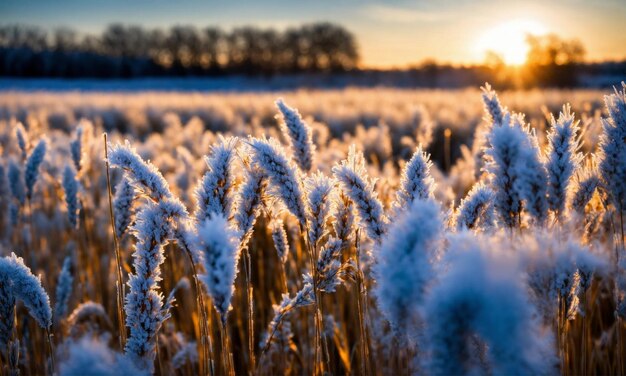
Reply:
x=27, y=287
x=31, y=169
x=144, y=175
x=299, y=134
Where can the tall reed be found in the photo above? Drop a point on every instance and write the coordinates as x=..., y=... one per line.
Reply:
x=219, y=253
x=564, y=159
x=145, y=312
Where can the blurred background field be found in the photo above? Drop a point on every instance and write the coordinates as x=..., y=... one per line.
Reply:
x=385, y=121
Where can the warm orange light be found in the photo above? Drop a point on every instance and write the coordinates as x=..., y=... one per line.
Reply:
x=509, y=40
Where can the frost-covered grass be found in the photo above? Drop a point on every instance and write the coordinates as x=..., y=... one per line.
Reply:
x=370, y=232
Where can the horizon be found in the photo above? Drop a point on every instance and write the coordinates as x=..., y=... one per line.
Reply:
x=393, y=34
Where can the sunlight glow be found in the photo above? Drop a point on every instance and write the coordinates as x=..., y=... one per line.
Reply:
x=509, y=40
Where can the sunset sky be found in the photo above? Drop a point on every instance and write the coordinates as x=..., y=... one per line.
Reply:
x=390, y=33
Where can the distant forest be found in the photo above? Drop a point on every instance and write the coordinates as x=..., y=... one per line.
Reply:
x=133, y=51
x=324, y=54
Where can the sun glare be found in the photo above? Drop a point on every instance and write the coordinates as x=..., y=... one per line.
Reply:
x=509, y=40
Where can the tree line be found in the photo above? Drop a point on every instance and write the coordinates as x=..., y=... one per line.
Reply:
x=133, y=51
x=551, y=61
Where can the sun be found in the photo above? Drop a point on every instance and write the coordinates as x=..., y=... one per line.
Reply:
x=509, y=40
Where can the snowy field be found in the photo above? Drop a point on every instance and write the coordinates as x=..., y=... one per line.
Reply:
x=351, y=231
x=235, y=83
x=238, y=83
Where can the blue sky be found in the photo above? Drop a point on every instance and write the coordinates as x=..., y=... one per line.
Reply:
x=392, y=32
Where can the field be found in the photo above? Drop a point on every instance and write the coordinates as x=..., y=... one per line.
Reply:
x=357, y=231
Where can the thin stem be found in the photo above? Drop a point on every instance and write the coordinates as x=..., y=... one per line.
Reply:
x=118, y=259
x=31, y=228
x=158, y=356
x=268, y=342
x=618, y=327
x=446, y=146
x=361, y=307
x=204, y=323
x=283, y=274
x=49, y=336
x=361, y=327
x=280, y=322
x=81, y=262
x=225, y=350
x=583, y=353
x=621, y=221
x=318, y=313
x=250, y=299
x=321, y=324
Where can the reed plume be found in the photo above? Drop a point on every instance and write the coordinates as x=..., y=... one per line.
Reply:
x=506, y=142
x=145, y=312
x=92, y=356
x=352, y=176
x=584, y=190
x=23, y=141
x=63, y=290
x=494, y=111
x=478, y=298
x=250, y=198
x=16, y=182
x=403, y=269
x=415, y=180
x=564, y=159
x=219, y=254
x=612, y=156
x=300, y=135
x=141, y=172
x=532, y=180
x=476, y=211
x=285, y=182
x=71, y=188
x=26, y=287
x=319, y=190
x=31, y=169
x=279, y=236
x=125, y=196
x=214, y=193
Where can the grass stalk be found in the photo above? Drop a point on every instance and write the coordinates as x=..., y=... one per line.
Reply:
x=250, y=313
x=228, y=368
x=362, y=308
x=118, y=259
x=318, y=365
x=205, y=336
x=51, y=351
